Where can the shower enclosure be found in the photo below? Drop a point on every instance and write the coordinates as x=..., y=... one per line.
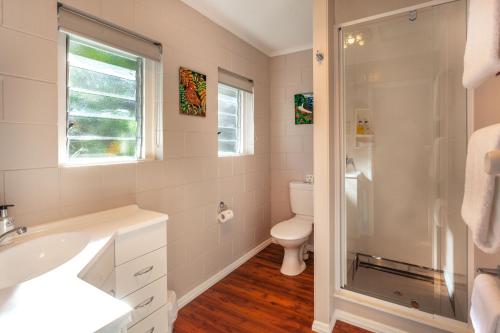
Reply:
x=404, y=130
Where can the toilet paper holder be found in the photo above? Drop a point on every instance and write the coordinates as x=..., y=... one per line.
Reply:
x=222, y=207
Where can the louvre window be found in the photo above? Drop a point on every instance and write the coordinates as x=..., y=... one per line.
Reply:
x=113, y=109
x=104, y=93
x=235, y=113
x=229, y=120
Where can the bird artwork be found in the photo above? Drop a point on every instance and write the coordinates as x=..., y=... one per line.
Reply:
x=192, y=93
x=304, y=107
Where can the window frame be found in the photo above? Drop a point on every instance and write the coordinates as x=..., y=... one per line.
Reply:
x=149, y=96
x=244, y=122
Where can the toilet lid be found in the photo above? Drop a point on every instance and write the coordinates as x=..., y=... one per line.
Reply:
x=292, y=229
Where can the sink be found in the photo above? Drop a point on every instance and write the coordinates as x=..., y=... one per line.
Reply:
x=33, y=258
x=352, y=174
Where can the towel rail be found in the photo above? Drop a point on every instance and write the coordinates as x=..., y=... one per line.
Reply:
x=492, y=162
x=491, y=271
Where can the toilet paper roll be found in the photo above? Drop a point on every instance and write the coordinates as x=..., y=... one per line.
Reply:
x=225, y=215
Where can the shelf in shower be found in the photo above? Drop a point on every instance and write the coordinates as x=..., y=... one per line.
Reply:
x=365, y=140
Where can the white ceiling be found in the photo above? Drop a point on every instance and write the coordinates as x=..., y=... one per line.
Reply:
x=274, y=27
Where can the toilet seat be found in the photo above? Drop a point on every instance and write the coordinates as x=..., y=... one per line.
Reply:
x=295, y=228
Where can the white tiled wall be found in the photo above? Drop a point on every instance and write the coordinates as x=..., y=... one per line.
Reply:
x=291, y=145
x=191, y=180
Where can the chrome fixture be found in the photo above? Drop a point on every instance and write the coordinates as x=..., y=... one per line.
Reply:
x=6, y=222
x=412, y=16
x=350, y=161
x=222, y=207
x=319, y=56
x=17, y=230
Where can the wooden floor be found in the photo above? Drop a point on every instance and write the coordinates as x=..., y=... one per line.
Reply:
x=256, y=297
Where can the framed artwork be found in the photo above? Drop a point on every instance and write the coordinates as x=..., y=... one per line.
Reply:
x=192, y=93
x=304, y=108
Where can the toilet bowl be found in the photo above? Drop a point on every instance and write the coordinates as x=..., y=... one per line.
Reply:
x=294, y=233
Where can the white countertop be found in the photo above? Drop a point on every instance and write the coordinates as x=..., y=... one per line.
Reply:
x=59, y=301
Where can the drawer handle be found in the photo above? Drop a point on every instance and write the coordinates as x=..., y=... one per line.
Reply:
x=144, y=303
x=144, y=271
x=151, y=330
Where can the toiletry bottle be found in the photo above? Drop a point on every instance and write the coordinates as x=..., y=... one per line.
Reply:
x=367, y=128
x=360, y=128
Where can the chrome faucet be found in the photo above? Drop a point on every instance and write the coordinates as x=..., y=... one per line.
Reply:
x=18, y=230
x=7, y=225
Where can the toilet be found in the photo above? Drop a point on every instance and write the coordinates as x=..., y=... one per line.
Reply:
x=293, y=234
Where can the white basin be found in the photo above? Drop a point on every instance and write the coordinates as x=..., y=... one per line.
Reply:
x=352, y=174
x=33, y=258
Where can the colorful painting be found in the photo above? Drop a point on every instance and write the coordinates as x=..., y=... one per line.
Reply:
x=304, y=108
x=192, y=93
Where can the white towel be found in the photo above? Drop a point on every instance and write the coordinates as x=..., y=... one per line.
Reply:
x=482, y=54
x=485, y=304
x=481, y=196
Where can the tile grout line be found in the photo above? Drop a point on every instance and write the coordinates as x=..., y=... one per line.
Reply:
x=2, y=98
x=3, y=187
x=24, y=32
x=28, y=78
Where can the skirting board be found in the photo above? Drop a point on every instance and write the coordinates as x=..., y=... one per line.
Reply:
x=361, y=322
x=201, y=288
x=355, y=320
x=321, y=327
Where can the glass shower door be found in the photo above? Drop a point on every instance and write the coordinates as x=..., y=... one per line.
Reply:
x=404, y=111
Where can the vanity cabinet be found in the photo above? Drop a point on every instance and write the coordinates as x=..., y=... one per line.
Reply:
x=155, y=322
x=139, y=272
x=133, y=268
x=141, y=276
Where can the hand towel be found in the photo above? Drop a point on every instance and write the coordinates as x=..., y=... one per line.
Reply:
x=485, y=304
x=482, y=50
x=482, y=195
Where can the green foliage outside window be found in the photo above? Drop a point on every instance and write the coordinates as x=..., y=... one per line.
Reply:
x=100, y=55
x=104, y=109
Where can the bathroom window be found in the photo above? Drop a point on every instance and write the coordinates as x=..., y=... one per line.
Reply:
x=104, y=93
x=236, y=123
x=113, y=93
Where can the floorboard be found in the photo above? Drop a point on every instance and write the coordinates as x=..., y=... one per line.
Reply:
x=256, y=298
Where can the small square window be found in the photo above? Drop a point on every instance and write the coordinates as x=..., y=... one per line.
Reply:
x=235, y=121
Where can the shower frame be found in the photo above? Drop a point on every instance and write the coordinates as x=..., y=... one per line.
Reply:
x=339, y=167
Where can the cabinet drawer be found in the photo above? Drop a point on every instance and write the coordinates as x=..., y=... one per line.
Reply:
x=139, y=272
x=155, y=323
x=133, y=244
x=146, y=300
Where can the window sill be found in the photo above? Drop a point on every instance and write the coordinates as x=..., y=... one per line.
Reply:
x=103, y=162
x=234, y=154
